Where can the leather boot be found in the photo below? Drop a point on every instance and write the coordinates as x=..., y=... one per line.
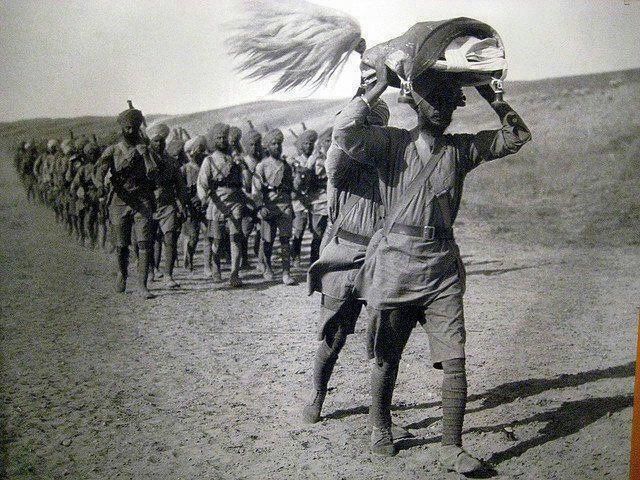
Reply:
x=285, y=253
x=311, y=411
x=123, y=266
x=143, y=270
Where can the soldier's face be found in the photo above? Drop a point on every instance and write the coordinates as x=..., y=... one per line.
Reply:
x=275, y=148
x=307, y=147
x=221, y=141
x=157, y=145
x=255, y=149
x=130, y=132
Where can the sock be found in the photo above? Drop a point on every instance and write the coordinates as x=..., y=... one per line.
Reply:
x=454, y=400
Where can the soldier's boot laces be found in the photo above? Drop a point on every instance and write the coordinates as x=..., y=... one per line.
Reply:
x=311, y=411
x=382, y=441
x=456, y=459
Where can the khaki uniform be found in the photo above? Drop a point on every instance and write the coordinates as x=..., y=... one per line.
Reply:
x=272, y=187
x=354, y=187
x=133, y=201
x=170, y=188
x=219, y=183
x=416, y=261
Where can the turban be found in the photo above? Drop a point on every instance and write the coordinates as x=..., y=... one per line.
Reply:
x=66, y=146
x=52, y=143
x=158, y=131
x=235, y=134
x=90, y=148
x=174, y=147
x=250, y=138
x=379, y=113
x=307, y=135
x=80, y=143
x=131, y=117
x=215, y=131
x=273, y=135
x=194, y=143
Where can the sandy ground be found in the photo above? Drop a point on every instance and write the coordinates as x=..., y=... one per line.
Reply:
x=206, y=382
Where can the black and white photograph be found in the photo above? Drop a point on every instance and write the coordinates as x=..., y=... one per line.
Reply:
x=319, y=239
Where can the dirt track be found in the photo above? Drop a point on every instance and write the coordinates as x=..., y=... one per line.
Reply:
x=208, y=383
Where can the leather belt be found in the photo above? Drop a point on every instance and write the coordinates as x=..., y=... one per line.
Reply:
x=428, y=232
x=353, y=237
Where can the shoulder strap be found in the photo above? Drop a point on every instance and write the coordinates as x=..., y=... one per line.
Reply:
x=419, y=180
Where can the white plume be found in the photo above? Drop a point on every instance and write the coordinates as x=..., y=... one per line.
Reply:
x=294, y=41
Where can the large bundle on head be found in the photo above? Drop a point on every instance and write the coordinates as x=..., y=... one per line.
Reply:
x=462, y=50
x=294, y=41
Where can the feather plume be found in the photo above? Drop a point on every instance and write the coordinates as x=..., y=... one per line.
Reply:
x=295, y=42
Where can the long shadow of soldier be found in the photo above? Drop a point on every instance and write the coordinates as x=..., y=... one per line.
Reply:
x=569, y=418
x=508, y=392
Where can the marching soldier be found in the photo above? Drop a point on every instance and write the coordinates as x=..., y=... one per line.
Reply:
x=272, y=187
x=171, y=200
x=133, y=172
x=86, y=194
x=413, y=262
x=305, y=144
x=195, y=150
x=220, y=184
x=318, y=193
x=356, y=214
x=252, y=147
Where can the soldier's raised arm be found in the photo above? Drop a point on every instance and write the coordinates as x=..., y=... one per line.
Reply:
x=491, y=144
x=352, y=133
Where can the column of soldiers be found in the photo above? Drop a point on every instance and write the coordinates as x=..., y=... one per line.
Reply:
x=154, y=185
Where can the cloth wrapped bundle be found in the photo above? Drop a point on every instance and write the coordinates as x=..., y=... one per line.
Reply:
x=469, y=51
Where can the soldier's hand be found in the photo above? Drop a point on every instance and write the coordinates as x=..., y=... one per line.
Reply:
x=487, y=93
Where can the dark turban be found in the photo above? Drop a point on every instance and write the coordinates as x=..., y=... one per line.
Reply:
x=272, y=135
x=215, y=131
x=131, y=117
x=235, y=134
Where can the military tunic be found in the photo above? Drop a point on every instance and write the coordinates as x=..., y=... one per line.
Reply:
x=170, y=189
x=220, y=184
x=425, y=270
x=191, y=228
x=272, y=188
x=133, y=201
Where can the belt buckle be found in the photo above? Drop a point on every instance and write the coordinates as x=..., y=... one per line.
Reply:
x=429, y=232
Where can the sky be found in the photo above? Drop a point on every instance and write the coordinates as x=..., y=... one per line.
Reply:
x=87, y=57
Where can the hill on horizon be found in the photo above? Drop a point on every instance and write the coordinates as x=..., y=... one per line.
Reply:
x=577, y=182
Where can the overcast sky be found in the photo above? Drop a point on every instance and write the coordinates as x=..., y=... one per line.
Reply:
x=70, y=58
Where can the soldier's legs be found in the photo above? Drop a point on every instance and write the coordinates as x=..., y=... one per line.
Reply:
x=338, y=320
x=285, y=223
x=392, y=333
x=170, y=239
x=234, y=223
x=143, y=226
x=268, y=229
x=300, y=219
x=215, y=237
x=318, y=225
x=248, y=224
x=122, y=222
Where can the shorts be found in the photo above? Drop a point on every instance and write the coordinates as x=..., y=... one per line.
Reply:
x=300, y=219
x=281, y=220
x=232, y=219
x=442, y=320
x=338, y=313
x=125, y=217
x=167, y=218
